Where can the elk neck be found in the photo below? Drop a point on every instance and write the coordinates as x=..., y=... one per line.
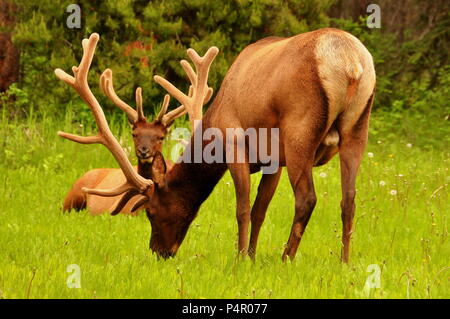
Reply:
x=145, y=169
x=193, y=182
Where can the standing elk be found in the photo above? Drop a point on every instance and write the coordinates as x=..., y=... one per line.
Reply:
x=147, y=138
x=317, y=88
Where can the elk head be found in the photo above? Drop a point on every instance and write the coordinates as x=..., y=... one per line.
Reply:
x=169, y=218
x=147, y=136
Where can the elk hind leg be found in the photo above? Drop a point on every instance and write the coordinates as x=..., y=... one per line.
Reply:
x=351, y=149
x=299, y=162
x=75, y=199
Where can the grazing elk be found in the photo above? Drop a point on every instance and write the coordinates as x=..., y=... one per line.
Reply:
x=316, y=87
x=147, y=138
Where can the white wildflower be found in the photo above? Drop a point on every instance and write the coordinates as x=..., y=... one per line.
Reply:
x=370, y=154
x=382, y=183
x=393, y=192
x=323, y=174
x=409, y=145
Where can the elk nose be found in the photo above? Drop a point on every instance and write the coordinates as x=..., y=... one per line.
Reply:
x=143, y=150
x=166, y=254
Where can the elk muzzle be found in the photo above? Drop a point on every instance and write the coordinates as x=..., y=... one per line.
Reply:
x=144, y=155
x=164, y=253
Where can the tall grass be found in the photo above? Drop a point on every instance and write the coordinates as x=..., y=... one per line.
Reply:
x=401, y=226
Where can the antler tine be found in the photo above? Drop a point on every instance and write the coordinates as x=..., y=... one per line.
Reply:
x=106, y=83
x=202, y=65
x=164, y=107
x=139, y=107
x=179, y=111
x=201, y=92
x=208, y=96
x=80, y=84
x=172, y=115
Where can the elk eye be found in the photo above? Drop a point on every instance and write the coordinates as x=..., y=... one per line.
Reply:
x=134, y=135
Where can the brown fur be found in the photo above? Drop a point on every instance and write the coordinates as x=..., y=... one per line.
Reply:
x=148, y=139
x=300, y=85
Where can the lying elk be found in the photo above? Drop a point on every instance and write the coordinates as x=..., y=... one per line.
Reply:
x=147, y=138
x=316, y=87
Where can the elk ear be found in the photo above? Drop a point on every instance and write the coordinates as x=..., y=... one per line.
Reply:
x=141, y=201
x=159, y=170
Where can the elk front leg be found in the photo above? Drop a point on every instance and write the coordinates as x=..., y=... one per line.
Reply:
x=266, y=189
x=240, y=172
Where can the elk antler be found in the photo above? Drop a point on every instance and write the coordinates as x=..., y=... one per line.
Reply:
x=168, y=118
x=80, y=84
x=106, y=83
x=164, y=108
x=199, y=92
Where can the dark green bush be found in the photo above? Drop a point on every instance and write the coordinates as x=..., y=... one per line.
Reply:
x=141, y=38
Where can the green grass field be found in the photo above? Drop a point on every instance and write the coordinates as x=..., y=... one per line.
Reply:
x=402, y=225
